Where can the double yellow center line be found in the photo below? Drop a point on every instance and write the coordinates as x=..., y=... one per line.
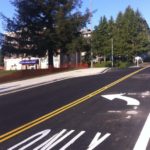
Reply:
x=41, y=119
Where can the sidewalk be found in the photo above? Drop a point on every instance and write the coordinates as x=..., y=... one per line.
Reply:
x=47, y=79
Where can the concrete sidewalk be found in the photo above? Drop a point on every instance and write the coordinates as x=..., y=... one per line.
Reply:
x=47, y=79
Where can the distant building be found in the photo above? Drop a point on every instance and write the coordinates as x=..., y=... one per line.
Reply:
x=25, y=63
x=86, y=33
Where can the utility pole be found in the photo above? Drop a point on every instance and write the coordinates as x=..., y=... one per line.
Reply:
x=112, y=52
x=91, y=33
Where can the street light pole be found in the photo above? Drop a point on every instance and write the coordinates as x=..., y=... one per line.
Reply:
x=91, y=55
x=112, y=52
x=91, y=34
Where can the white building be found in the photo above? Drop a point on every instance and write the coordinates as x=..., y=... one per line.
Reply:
x=59, y=60
x=25, y=63
x=86, y=33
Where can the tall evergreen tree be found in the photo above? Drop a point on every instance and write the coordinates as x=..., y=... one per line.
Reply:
x=44, y=25
x=101, y=37
x=142, y=42
x=130, y=32
x=120, y=35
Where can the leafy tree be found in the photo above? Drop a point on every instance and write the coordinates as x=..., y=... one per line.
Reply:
x=1, y=55
x=44, y=25
x=119, y=36
x=142, y=42
x=100, y=38
x=130, y=32
x=1, y=58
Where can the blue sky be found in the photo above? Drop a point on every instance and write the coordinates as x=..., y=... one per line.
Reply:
x=102, y=7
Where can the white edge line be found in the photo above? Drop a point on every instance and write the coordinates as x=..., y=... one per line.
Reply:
x=39, y=84
x=144, y=137
x=30, y=87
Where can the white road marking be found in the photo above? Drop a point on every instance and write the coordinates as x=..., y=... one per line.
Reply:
x=27, y=87
x=131, y=112
x=129, y=100
x=96, y=141
x=41, y=135
x=114, y=111
x=144, y=137
x=128, y=117
x=57, y=141
x=53, y=140
x=72, y=140
x=135, y=107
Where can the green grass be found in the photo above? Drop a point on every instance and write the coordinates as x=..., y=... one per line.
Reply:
x=5, y=73
x=118, y=64
x=122, y=65
x=103, y=64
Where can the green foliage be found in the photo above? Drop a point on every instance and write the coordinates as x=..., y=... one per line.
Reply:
x=6, y=73
x=45, y=25
x=122, y=64
x=118, y=64
x=100, y=37
x=130, y=33
x=103, y=64
x=1, y=58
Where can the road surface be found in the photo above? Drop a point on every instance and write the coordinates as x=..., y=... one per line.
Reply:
x=109, y=111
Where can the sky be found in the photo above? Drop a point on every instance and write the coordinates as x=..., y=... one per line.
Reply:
x=99, y=7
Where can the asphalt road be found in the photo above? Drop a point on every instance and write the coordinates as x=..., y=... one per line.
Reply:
x=76, y=114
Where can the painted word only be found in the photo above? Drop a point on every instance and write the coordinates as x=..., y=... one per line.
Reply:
x=57, y=138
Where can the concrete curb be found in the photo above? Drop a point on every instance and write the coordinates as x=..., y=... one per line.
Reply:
x=47, y=79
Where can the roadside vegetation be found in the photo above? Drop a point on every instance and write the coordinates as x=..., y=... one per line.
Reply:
x=6, y=73
x=44, y=27
x=128, y=34
x=118, y=64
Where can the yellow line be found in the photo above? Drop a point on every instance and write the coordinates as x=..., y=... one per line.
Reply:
x=39, y=120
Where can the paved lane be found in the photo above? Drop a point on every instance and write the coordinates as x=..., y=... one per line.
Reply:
x=97, y=123
x=19, y=108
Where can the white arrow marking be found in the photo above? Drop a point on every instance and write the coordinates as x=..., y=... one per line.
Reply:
x=129, y=100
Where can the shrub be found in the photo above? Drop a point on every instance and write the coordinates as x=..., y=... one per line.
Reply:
x=103, y=64
x=122, y=64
